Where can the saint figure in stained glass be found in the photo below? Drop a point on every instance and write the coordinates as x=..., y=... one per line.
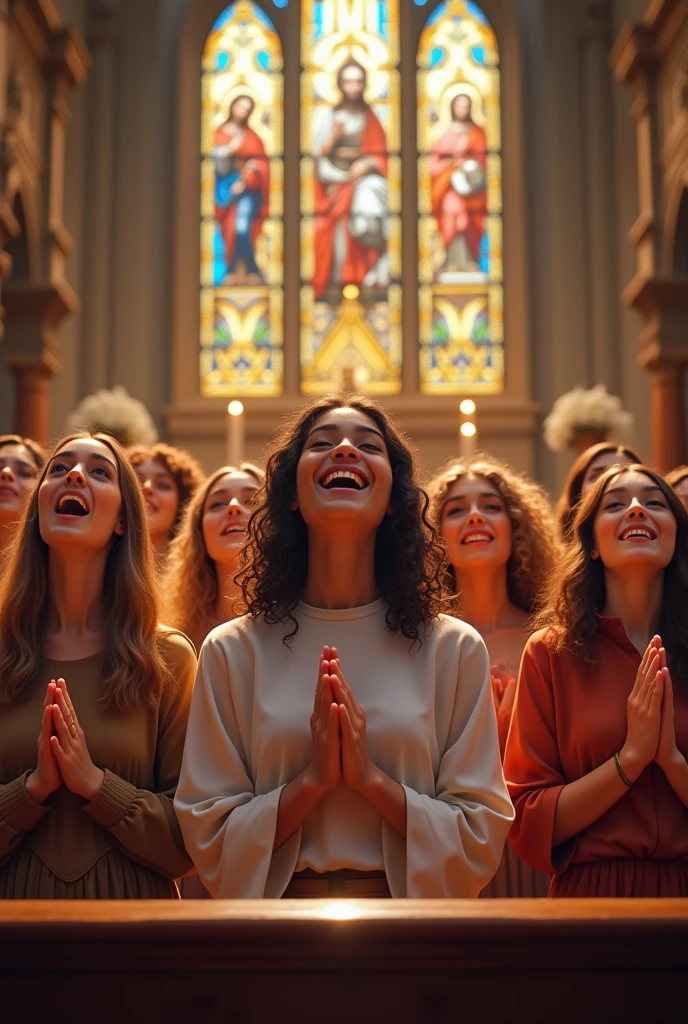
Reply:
x=459, y=199
x=351, y=192
x=242, y=190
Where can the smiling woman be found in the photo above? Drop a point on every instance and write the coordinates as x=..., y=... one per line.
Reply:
x=89, y=762
x=169, y=478
x=342, y=739
x=596, y=755
x=21, y=460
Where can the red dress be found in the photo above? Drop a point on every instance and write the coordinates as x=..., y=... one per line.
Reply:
x=567, y=721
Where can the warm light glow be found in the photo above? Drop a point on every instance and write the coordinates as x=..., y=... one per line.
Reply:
x=340, y=910
x=235, y=408
x=468, y=429
x=467, y=407
x=350, y=291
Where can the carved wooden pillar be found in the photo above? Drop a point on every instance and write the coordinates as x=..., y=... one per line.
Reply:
x=41, y=51
x=651, y=58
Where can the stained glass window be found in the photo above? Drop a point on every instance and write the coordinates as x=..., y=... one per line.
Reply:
x=350, y=196
x=241, y=206
x=460, y=203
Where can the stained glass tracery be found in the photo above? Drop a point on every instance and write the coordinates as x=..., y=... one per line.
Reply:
x=350, y=196
x=241, y=206
x=460, y=203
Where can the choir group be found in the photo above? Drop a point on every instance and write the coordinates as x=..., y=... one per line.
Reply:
x=454, y=691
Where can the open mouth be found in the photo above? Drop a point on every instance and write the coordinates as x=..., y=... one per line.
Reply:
x=343, y=478
x=235, y=528
x=477, y=537
x=638, y=533
x=71, y=505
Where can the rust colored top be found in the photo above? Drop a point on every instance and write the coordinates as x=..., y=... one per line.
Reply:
x=568, y=720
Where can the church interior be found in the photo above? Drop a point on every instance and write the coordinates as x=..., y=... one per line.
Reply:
x=465, y=210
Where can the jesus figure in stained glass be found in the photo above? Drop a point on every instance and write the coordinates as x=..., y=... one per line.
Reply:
x=459, y=201
x=351, y=190
x=242, y=190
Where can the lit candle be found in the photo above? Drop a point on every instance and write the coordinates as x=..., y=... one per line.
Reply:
x=468, y=431
x=235, y=433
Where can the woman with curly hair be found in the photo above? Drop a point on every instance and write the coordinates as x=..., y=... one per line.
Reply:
x=94, y=694
x=169, y=477
x=596, y=755
x=200, y=589
x=586, y=470
x=498, y=530
x=342, y=738
x=678, y=479
x=21, y=460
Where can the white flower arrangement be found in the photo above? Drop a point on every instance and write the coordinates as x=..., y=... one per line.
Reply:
x=580, y=411
x=114, y=412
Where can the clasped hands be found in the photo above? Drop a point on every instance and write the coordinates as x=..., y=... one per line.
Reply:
x=338, y=731
x=62, y=750
x=650, y=716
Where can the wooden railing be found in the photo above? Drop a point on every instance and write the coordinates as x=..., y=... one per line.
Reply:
x=350, y=961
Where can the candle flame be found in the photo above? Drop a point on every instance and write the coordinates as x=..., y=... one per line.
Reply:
x=468, y=429
x=467, y=407
x=235, y=408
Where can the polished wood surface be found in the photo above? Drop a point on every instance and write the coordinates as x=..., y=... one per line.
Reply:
x=354, y=960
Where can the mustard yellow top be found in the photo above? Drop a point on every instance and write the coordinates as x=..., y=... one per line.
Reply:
x=124, y=844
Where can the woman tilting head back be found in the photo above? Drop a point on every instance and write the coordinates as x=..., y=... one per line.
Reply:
x=94, y=695
x=342, y=730
x=586, y=470
x=596, y=754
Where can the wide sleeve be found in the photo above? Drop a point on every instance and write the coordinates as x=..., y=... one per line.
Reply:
x=228, y=827
x=18, y=815
x=532, y=765
x=143, y=821
x=455, y=838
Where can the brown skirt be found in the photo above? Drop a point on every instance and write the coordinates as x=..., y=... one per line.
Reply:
x=515, y=878
x=625, y=877
x=314, y=885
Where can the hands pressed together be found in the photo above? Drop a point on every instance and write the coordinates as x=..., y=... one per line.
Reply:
x=338, y=730
x=503, y=695
x=62, y=750
x=650, y=716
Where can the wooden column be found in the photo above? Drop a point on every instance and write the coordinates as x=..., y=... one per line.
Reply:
x=668, y=415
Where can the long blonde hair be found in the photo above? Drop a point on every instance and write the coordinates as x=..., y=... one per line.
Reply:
x=134, y=669
x=190, y=586
x=534, y=541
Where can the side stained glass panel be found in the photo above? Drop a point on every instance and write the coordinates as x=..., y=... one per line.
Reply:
x=460, y=203
x=241, y=206
x=350, y=196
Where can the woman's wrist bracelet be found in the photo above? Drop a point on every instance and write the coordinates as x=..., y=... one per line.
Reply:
x=622, y=775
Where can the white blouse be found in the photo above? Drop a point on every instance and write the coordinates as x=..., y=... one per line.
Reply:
x=430, y=725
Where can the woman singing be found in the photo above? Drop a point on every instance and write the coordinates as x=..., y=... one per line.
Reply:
x=94, y=694
x=596, y=754
x=586, y=470
x=342, y=737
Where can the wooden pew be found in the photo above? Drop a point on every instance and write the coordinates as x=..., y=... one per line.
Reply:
x=344, y=961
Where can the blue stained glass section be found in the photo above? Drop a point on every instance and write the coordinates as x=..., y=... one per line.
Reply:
x=476, y=12
x=436, y=15
x=223, y=19
x=280, y=3
x=317, y=21
x=436, y=56
x=222, y=60
x=478, y=54
x=420, y=3
x=382, y=19
x=263, y=59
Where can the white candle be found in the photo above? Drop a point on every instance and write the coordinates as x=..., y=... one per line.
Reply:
x=235, y=433
x=468, y=430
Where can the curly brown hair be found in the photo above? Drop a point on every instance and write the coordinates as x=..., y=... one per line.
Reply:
x=577, y=594
x=676, y=476
x=190, y=583
x=36, y=451
x=408, y=560
x=187, y=473
x=535, y=548
x=135, y=670
x=570, y=496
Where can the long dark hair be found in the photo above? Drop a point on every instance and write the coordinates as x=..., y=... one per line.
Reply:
x=134, y=669
x=571, y=492
x=577, y=592
x=409, y=562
